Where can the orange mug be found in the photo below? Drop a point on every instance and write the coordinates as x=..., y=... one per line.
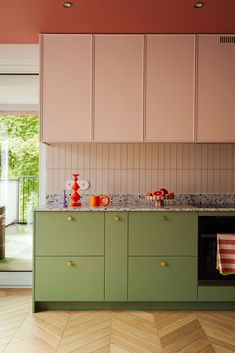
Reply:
x=102, y=200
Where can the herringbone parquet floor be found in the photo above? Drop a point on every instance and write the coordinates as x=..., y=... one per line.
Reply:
x=110, y=331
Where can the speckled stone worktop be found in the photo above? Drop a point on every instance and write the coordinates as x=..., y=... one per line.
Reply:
x=137, y=202
x=140, y=207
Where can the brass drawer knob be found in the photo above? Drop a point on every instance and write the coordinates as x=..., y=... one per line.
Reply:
x=69, y=264
x=163, y=218
x=69, y=218
x=116, y=218
x=163, y=264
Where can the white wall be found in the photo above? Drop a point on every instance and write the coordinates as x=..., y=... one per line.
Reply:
x=19, y=58
x=19, y=92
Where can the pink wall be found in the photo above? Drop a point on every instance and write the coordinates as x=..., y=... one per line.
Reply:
x=137, y=168
x=22, y=21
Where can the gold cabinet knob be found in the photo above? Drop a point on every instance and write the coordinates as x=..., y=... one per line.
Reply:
x=69, y=264
x=163, y=264
x=116, y=218
x=163, y=218
x=69, y=218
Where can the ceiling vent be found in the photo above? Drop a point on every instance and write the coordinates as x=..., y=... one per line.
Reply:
x=227, y=39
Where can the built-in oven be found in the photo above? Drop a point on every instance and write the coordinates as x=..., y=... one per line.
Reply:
x=208, y=228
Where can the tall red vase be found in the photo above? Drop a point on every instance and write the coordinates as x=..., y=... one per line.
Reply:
x=75, y=197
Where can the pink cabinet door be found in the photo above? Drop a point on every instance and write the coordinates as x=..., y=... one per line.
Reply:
x=118, y=88
x=216, y=88
x=66, y=87
x=170, y=88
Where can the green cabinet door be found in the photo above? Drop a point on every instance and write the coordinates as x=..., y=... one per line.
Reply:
x=163, y=233
x=69, y=279
x=216, y=293
x=116, y=256
x=162, y=279
x=69, y=233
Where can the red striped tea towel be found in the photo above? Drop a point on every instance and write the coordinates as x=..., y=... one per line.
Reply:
x=226, y=253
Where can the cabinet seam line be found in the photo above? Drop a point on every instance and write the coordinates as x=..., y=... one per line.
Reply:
x=195, y=120
x=144, y=86
x=104, y=220
x=127, y=291
x=92, y=86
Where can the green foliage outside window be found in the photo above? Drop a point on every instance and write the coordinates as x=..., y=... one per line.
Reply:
x=23, y=160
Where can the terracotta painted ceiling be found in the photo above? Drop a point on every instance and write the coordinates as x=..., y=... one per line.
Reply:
x=21, y=21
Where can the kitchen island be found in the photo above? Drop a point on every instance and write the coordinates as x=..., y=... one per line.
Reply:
x=123, y=256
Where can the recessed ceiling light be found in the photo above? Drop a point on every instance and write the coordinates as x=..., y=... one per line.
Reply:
x=198, y=4
x=67, y=4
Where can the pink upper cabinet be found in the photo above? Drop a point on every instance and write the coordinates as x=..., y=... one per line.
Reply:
x=118, y=88
x=216, y=88
x=170, y=82
x=66, y=87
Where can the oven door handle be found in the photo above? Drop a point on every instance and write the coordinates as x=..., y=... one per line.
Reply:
x=208, y=235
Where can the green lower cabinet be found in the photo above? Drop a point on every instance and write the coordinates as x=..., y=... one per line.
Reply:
x=216, y=293
x=162, y=279
x=116, y=256
x=163, y=233
x=69, y=279
x=65, y=233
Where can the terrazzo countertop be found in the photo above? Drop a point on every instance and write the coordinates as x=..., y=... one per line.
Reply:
x=137, y=202
x=142, y=207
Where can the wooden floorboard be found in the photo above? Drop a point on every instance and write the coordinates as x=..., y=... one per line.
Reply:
x=220, y=330
x=105, y=331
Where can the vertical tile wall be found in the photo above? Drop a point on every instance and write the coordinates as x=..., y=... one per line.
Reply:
x=137, y=168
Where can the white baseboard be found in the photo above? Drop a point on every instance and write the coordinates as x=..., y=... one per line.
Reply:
x=15, y=279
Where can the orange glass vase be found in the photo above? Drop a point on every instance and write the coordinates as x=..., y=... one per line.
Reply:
x=75, y=197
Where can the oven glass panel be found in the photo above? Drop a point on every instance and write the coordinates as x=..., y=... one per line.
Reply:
x=207, y=249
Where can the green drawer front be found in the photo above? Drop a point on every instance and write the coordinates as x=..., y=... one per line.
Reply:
x=116, y=256
x=148, y=281
x=56, y=235
x=225, y=293
x=55, y=280
x=163, y=233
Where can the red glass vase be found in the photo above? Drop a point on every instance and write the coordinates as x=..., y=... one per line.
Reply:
x=75, y=197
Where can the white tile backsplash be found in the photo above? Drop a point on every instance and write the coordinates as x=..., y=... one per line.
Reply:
x=137, y=168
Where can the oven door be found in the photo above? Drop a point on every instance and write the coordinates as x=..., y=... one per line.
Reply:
x=207, y=250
